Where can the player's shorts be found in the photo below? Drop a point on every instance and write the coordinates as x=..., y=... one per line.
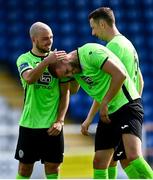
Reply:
x=35, y=144
x=127, y=120
x=119, y=153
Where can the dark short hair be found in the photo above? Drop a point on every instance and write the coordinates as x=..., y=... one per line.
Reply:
x=105, y=13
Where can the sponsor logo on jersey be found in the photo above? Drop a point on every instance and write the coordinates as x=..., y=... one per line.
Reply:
x=88, y=80
x=45, y=79
x=23, y=66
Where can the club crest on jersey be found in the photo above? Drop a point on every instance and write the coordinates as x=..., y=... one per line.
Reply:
x=21, y=153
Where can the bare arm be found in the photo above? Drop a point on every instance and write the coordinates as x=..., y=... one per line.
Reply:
x=117, y=78
x=64, y=101
x=63, y=106
x=74, y=87
x=32, y=75
x=93, y=110
x=141, y=82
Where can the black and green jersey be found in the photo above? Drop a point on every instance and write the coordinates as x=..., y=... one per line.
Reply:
x=96, y=82
x=126, y=52
x=41, y=98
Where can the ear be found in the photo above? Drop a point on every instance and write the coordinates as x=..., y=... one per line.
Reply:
x=102, y=23
x=33, y=39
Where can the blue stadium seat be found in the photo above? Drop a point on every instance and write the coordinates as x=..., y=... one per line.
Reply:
x=148, y=113
x=14, y=16
x=3, y=28
x=121, y=26
x=118, y=14
x=3, y=43
x=138, y=41
x=148, y=13
x=68, y=28
x=132, y=14
x=65, y=15
x=80, y=3
x=11, y=4
x=100, y=3
x=16, y=43
x=134, y=27
x=67, y=43
x=64, y=4
x=149, y=141
x=130, y=3
x=3, y=15
x=147, y=4
x=31, y=15
x=82, y=16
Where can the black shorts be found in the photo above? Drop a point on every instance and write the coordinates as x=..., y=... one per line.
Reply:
x=127, y=120
x=35, y=144
x=119, y=153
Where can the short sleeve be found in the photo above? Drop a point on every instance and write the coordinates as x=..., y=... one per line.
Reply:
x=23, y=64
x=98, y=58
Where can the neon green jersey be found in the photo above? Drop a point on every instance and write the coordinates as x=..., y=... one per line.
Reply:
x=126, y=52
x=41, y=98
x=96, y=82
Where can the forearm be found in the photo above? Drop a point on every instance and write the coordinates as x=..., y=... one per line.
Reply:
x=93, y=110
x=115, y=85
x=118, y=75
x=74, y=87
x=141, y=83
x=33, y=75
x=63, y=106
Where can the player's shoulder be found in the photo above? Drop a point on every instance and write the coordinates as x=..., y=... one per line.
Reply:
x=24, y=56
x=89, y=48
x=119, y=42
x=119, y=39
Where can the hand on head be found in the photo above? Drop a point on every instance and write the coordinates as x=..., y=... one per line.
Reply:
x=60, y=55
x=56, y=56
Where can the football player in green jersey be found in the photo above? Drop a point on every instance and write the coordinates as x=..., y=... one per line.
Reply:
x=46, y=101
x=104, y=77
x=102, y=22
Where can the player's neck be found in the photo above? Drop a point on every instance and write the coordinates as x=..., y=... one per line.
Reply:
x=114, y=32
x=37, y=53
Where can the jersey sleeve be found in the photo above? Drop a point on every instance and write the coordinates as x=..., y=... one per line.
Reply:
x=98, y=58
x=23, y=64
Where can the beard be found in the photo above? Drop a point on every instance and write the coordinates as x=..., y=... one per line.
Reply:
x=43, y=50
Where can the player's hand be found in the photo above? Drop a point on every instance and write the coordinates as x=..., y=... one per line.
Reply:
x=55, y=56
x=85, y=127
x=55, y=129
x=104, y=113
x=60, y=55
